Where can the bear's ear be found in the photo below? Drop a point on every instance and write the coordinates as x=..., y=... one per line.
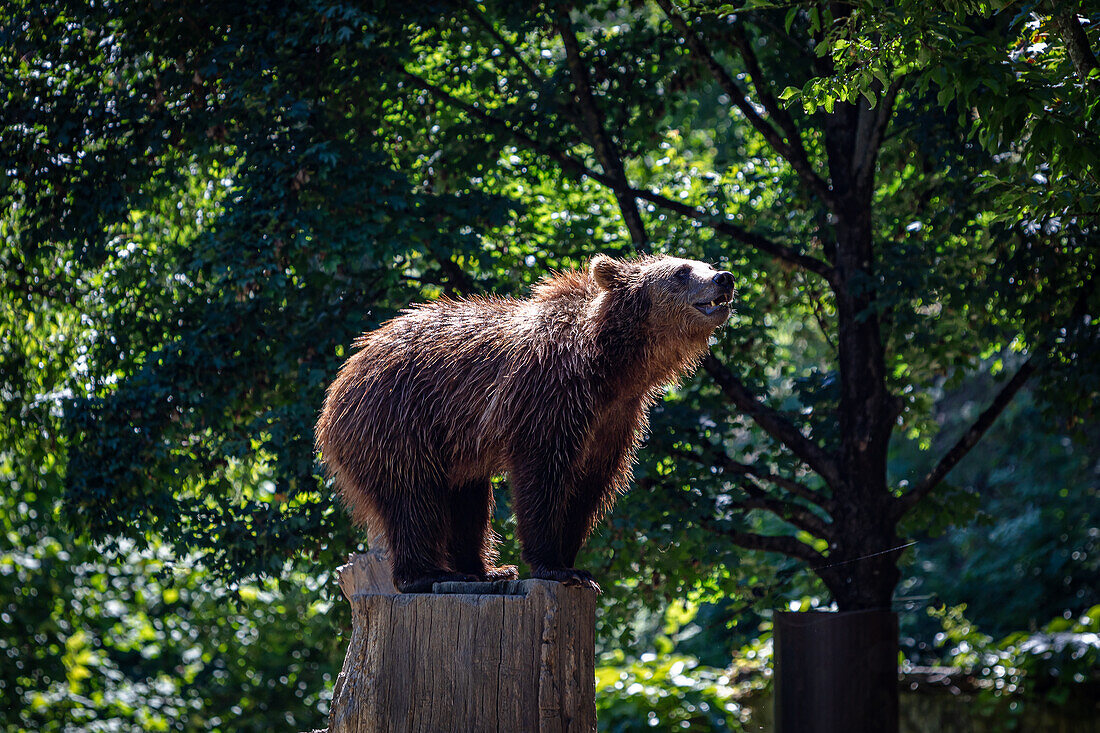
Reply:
x=607, y=272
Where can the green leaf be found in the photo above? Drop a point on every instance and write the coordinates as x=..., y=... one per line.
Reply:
x=790, y=93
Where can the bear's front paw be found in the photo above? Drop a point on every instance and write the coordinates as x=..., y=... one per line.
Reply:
x=567, y=576
x=504, y=572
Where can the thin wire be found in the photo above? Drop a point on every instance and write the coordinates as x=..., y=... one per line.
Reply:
x=864, y=557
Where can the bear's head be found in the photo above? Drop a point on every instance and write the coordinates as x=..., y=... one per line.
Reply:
x=680, y=297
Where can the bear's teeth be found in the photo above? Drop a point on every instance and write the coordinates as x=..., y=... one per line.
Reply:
x=709, y=308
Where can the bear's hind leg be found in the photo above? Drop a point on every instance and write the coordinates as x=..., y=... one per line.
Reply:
x=542, y=537
x=417, y=529
x=551, y=548
x=472, y=543
x=581, y=516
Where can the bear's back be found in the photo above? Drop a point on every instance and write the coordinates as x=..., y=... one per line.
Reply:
x=441, y=384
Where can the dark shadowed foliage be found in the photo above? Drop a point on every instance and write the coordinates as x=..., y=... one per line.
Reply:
x=204, y=204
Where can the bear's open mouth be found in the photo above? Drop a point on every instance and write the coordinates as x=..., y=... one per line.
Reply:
x=711, y=307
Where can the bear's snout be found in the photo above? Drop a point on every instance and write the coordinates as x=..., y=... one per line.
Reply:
x=723, y=280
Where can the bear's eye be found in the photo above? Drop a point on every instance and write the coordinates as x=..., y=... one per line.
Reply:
x=682, y=273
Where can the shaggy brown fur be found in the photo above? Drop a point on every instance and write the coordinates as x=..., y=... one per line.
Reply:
x=554, y=391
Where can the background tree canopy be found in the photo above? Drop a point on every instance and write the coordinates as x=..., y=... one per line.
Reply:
x=204, y=204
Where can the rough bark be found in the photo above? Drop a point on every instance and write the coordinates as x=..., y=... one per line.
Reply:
x=512, y=655
x=1077, y=43
x=862, y=573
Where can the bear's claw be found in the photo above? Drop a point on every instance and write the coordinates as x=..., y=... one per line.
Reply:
x=568, y=576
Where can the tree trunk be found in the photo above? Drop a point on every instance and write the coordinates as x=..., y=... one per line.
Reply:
x=859, y=690
x=512, y=655
x=862, y=573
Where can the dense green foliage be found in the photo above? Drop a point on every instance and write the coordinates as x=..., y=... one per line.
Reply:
x=1007, y=83
x=1054, y=666
x=203, y=204
x=669, y=692
x=1032, y=551
x=142, y=641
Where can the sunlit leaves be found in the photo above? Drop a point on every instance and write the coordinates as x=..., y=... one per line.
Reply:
x=212, y=206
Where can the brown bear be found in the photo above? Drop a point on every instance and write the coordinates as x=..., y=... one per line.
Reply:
x=553, y=391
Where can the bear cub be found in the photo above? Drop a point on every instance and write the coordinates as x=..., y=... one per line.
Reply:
x=553, y=391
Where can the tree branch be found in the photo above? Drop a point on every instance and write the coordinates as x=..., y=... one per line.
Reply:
x=607, y=152
x=798, y=519
x=1077, y=43
x=572, y=166
x=793, y=487
x=971, y=437
x=795, y=514
x=509, y=48
x=785, y=545
x=788, y=546
x=773, y=422
x=796, y=155
x=568, y=163
x=723, y=225
x=789, y=145
x=818, y=309
x=871, y=133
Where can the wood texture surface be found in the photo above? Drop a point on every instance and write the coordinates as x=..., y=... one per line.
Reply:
x=368, y=572
x=827, y=672
x=506, y=656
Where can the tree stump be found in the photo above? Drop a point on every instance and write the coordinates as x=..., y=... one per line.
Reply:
x=826, y=668
x=510, y=656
